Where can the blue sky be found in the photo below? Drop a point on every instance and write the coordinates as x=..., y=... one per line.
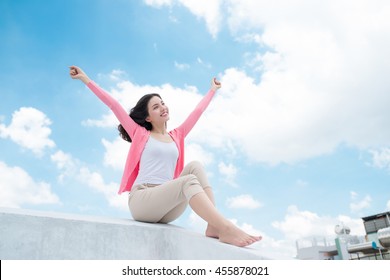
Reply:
x=296, y=141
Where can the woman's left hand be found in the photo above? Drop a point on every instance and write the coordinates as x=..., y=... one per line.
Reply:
x=78, y=74
x=215, y=84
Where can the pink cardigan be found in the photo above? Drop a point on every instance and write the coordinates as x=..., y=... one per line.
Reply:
x=140, y=135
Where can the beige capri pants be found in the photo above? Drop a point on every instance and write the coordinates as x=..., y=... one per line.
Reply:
x=165, y=203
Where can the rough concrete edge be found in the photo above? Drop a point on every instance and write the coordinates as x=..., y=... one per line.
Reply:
x=127, y=222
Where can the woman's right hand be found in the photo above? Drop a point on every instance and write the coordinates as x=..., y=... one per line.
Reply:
x=215, y=84
x=78, y=74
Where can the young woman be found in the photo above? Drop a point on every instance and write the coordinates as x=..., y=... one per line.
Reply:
x=160, y=186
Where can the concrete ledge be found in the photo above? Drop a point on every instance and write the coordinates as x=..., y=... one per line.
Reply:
x=26, y=234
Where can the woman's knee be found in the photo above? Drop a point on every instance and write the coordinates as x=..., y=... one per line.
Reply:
x=196, y=168
x=195, y=165
x=191, y=186
x=190, y=179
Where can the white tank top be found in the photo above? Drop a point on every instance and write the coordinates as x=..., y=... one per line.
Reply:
x=158, y=162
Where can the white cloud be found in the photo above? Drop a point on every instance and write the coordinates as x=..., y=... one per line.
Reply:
x=275, y=249
x=116, y=153
x=228, y=172
x=107, y=120
x=357, y=205
x=244, y=201
x=268, y=246
x=110, y=190
x=18, y=188
x=326, y=56
x=381, y=158
x=196, y=223
x=302, y=224
x=195, y=152
x=116, y=75
x=72, y=168
x=158, y=3
x=181, y=66
x=323, y=78
x=29, y=128
x=209, y=11
x=65, y=163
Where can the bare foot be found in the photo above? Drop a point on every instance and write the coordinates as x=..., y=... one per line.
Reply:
x=211, y=231
x=235, y=236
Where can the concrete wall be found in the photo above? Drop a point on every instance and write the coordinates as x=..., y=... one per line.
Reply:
x=26, y=234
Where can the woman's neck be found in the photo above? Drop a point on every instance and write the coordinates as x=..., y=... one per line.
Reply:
x=162, y=130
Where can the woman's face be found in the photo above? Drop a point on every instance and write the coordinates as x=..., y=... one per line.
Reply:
x=158, y=111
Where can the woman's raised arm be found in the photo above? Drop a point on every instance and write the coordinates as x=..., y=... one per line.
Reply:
x=128, y=124
x=194, y=116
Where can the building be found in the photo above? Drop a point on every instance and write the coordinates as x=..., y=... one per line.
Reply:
x=375, y=245
x=377, y=239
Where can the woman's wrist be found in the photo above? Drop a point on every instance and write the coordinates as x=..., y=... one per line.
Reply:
x=85, y=80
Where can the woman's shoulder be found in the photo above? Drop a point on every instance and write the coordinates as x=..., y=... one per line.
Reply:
x=141, y=132
x=176, y=134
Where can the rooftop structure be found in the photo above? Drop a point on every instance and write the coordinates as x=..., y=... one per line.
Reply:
x=374, y=245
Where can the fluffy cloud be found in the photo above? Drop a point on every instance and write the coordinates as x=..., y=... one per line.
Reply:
x=195, y=152
x=18, y=188
x=269, y=247
x=71, y=167
x=29, y=128
x=381, y=158
x=208, y=11
x=65, y=163
x=115, y=153
x=322, y=78
x=107, y=120
x=228, y=172
x=244, y=201
x=302, y=224
x=357, y=205
x=158, y=3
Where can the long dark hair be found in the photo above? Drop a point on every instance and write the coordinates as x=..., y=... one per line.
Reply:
x=139, y=114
